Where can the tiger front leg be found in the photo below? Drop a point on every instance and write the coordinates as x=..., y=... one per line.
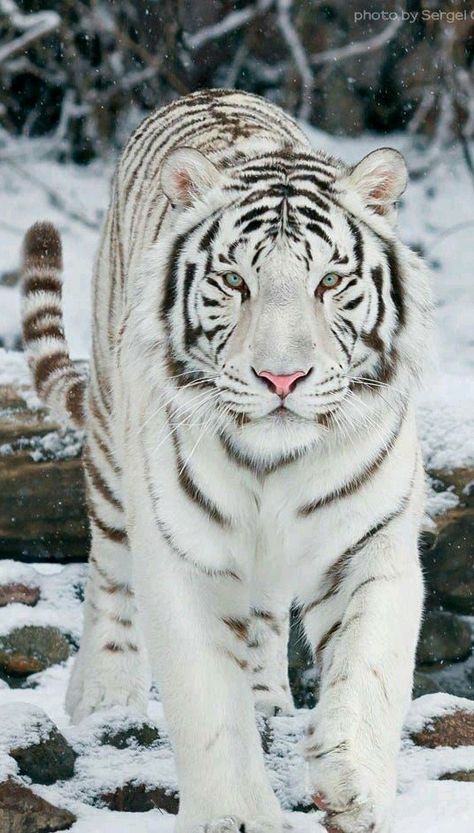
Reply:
x=111, y=668
x=268, y=660
x=196, y=628
x=363, y=632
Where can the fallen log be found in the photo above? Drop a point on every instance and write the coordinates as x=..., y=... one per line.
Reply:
x=42, y=497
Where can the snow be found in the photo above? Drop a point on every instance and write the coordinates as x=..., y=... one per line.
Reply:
x=60, y=602
x=426, y=709
x=423, y=802
x=72, y=197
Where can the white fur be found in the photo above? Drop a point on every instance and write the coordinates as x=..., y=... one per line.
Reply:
x=183, y=565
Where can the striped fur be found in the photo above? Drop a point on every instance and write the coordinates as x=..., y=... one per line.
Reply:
x=214, y=505
x=57, y=381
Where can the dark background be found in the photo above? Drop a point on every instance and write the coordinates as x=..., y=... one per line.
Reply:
x=85, y=73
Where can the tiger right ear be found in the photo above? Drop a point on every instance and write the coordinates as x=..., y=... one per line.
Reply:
x=186, y=175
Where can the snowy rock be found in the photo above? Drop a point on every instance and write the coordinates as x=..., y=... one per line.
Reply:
x=17, y=593
x=46, y=762
x=444, y=637
x=31, y=649
x=30, y=737
x=462, y=775
x=139, y=798
x=136, y=733
x=453, y=729
x=21, y=811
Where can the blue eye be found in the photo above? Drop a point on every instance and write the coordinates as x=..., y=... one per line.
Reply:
x=330, y=280
x=234, y=280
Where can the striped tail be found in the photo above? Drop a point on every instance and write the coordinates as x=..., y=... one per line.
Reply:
x=58, y=382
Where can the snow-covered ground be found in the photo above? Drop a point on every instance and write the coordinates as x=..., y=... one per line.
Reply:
x=423, y=802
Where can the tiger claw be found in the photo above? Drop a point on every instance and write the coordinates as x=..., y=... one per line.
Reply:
x=320, y=801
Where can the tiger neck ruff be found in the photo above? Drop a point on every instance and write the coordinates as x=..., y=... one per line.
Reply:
x=258, y=333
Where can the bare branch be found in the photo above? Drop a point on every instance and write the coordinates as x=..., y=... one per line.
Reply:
x=299, y=55
x=234, y=20
x=33, y=26
x=358, y=47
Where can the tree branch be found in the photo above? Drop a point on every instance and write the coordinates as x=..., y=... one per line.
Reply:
x=359, y=47
x=299, y=56
x=33, y=26
x=234, y=20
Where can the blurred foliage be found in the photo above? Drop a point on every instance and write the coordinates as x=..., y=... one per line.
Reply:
x=83, y=72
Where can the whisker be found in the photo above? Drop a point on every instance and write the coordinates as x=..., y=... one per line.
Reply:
x=172, y=399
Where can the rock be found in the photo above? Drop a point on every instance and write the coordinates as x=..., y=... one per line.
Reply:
x=139, y=798
x=30, y=737
x=141, y=733
x=46, y=762
x=21, y=811
x=32, y=648
x=449, y=564
x=444, y=638
x=423, y=684
x=462, y=775
x=453, y=729
x=42, y=511
x=17, y=593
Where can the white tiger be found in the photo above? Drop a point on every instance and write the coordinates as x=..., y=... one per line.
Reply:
x=258, y=331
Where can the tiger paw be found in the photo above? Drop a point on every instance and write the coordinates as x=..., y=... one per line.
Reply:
x=270, y=702
x=355, y=790
x=233, y=824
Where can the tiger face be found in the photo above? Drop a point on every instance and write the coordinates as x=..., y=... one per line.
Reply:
x=283, y=287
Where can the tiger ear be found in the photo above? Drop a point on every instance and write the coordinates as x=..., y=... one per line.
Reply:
x=380, y=179
x=186, y=175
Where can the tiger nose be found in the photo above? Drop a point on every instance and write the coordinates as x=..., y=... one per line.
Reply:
x=282, y=385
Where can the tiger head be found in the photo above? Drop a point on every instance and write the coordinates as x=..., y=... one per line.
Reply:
x=285, y=287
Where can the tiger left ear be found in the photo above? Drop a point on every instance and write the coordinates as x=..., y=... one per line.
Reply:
x=186, y=174
x=379, y=179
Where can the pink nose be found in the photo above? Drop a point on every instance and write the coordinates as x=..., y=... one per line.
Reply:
x=283, y=384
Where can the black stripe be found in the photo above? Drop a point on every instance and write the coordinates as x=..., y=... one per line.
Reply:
x=191, y=333
x=349, y=326
x=354, y=303
x=224, y=341
x=356, y=482
x=341, y=343
x=319, y=231
x=396, y=284
x=167, y=534
x=210, y=235
x=254, y=225
x=193, y=491
x=252, y=214
x=358, y=244
x=348, y=286
x=377, y=277
x=313, y=215
x=118, y=536
x=336, y=573
x=213, y=331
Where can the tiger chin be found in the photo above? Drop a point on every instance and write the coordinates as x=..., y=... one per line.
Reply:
x=258, y=335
